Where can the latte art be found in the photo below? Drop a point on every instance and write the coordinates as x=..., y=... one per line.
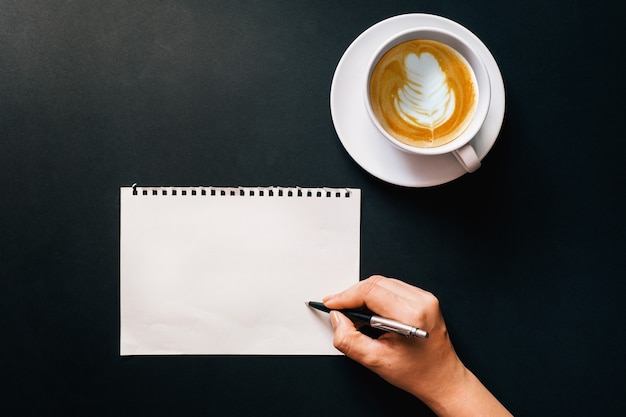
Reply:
x=423, y=93
x=425, y=99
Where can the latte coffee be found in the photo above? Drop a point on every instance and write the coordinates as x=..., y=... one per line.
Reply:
x=423, y=93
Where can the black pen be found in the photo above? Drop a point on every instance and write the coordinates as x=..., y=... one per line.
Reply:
x=376, y=322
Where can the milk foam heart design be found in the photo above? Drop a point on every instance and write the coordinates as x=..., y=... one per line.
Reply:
x=423, y=93
x=426, y=99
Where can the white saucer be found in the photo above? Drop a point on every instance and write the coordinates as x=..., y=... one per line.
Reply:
x=364, y=142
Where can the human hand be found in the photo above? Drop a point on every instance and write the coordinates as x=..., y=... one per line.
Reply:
x=427, y=368
x=423, y=367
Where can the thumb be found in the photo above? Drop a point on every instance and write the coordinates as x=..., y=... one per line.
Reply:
x=347, y=338
x=340, y=321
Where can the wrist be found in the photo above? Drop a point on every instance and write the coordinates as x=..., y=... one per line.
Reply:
x=444, y=398
x=464, y=396
x=443, y=386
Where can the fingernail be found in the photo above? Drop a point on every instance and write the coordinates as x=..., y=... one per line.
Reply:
x=328, y=297
x=334, y=319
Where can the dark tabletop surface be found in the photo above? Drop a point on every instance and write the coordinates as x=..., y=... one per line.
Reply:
x=527, y=255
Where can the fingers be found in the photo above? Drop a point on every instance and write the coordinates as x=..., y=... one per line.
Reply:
x=384, y=296
x=349, y=340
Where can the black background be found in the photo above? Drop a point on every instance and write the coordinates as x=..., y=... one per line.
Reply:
x=527, y=255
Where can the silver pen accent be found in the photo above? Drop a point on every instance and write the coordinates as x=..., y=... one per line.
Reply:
x=389, y=325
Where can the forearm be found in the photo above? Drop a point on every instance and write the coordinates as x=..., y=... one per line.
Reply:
x=465, y=397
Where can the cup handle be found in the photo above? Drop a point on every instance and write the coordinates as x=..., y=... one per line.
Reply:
x=467, y=158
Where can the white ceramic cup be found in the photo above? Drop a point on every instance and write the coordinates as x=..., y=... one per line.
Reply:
x=460, y=147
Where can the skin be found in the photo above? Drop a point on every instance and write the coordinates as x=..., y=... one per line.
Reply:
x=427, y=368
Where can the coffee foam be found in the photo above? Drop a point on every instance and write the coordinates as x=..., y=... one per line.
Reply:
x=423, y=93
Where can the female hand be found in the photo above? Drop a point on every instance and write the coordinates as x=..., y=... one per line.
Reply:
x=427, y=368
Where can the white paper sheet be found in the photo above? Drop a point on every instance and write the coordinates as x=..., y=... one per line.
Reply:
x=230, y=274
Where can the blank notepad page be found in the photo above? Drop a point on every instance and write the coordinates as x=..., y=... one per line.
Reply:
x=207, y=270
